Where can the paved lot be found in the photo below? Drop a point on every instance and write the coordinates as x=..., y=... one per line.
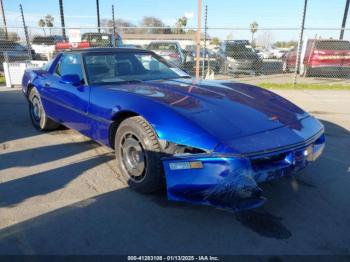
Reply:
x=59, y=195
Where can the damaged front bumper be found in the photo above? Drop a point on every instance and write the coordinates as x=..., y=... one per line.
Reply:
x=231, y=181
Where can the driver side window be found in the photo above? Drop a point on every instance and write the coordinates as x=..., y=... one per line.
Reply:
x=70, y=64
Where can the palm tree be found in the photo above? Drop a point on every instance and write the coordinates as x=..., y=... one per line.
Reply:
x=49, y=21
x=41, y=23
x=181, y=24
x=253, y=29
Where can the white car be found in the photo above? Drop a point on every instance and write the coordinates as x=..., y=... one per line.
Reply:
x=278, y=53
x=44, y=46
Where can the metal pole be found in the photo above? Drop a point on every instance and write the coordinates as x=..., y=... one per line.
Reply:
x=344, y=19
x=205, y=40
x=4, y=19
x=62, y=19
x=26, y=34
x=198, y=36
x=98, y=15
x=113, y=20
x=297, y=63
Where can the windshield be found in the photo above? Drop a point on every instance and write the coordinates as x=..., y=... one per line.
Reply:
x=47, y=40
x=97, y=38
x=109, y=68
x=236, y=50
x=162, y=46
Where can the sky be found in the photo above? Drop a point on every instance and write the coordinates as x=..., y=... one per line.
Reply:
x=231, y=15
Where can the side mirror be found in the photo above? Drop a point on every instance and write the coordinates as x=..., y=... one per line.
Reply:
x=71, y=79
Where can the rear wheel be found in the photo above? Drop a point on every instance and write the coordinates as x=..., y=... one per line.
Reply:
x=138, y=154
x=37, y=113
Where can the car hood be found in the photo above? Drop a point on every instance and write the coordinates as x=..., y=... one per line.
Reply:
x=226, y=110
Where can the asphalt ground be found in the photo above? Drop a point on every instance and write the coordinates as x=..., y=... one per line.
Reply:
x=60, y=194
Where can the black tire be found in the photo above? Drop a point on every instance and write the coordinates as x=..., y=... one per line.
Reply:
x=138, y=153
x=37, y=113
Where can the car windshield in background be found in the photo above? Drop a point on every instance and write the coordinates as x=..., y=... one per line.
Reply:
x=109, y=68
x=332, y=45
x=239, y=49
x=162, y=46
x=47, y=40
x=97, y=38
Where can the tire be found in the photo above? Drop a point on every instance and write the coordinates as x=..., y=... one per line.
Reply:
x=37, y=113
x=138, y=153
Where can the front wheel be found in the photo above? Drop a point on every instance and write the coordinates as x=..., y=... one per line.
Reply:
x=138, y=154
x=37, y=113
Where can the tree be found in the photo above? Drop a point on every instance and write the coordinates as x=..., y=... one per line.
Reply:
x=285, y=44
x=49, y=21
x=215, y=41
x=124, y=24
x=181, y=24
x=253, y=29
x=42, y=24
x=265, y=39
x=150, y=21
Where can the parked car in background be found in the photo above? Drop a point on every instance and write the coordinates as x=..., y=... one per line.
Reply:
x=321, y=57
x=131, y=46
x=208, y=56
x=171, y=51
x=239, y=57
x=101, y=39
x=44, y=46
x=14, y=52
x=264, y=54
x=278, y=53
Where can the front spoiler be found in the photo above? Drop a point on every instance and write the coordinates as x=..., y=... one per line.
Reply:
x=231, y=182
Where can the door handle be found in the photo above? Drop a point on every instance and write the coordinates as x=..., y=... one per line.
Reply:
x=47, y=84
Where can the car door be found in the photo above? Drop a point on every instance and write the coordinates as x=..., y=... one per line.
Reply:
x=68, y=103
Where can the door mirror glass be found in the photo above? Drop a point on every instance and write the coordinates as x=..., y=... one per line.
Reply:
x=71, y=79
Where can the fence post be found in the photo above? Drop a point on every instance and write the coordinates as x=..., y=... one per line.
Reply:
x=300, y=43
x=29, y=48
x=113, y=20
x=62, y=20
x=205, y=40
x=4, y=19
x=198, y=36
x=98, y=16
x=344, y=20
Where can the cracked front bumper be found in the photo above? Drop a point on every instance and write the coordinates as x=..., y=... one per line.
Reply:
x=232, y=181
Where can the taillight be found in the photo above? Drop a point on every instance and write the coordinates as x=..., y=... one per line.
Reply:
x=65, y=45
x=62, y=45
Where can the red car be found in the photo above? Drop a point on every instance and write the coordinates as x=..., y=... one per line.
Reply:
x=321, y=56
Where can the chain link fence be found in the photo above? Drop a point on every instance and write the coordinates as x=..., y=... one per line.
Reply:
x=267, y=56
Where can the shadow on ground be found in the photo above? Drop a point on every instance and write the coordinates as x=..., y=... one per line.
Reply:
x=309, y=213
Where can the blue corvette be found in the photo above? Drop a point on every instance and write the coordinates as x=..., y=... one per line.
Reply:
x=208, y=142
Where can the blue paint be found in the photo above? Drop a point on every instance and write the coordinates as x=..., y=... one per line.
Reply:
x=237, y=124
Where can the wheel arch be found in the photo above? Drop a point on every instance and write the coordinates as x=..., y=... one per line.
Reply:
x=30, y=86
x=117, y=119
